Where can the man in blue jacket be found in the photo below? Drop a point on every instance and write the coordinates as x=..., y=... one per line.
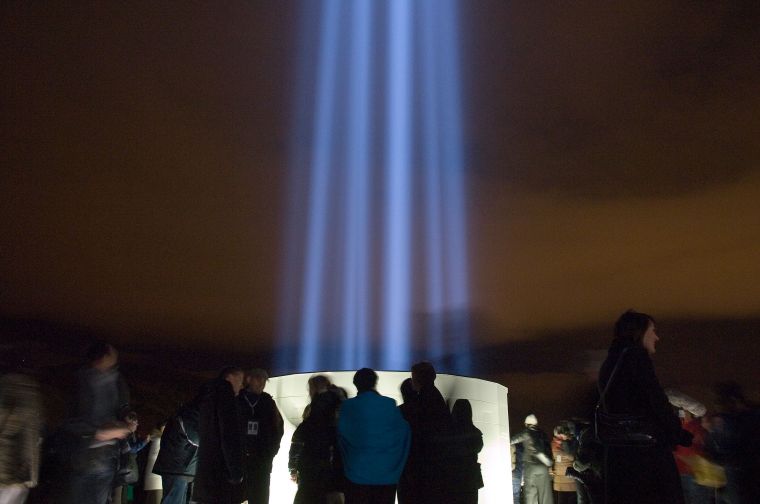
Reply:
x=374, y=442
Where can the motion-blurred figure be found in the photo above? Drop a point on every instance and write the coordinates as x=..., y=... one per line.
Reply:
x=262, y=428
x=536, y=458
x=20, y=415
x=220, y=447
x=102, y=398
x=734, y=442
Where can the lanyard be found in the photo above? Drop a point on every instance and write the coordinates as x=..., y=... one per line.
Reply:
x=253, y=406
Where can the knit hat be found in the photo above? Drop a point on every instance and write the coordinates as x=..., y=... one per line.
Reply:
x=531, y=420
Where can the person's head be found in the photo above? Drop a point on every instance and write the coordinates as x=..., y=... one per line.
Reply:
x=461, y=412
x=407, y=390
x=423, y=375
x=131, y=420
x=101, y=356
x=235, y=376
x=563, y=431
x=256, y=380
x=633, y=328
x=365, y=379
x=531, y=420
x=318, y=384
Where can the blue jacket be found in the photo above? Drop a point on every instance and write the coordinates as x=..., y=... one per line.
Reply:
x=373, y=438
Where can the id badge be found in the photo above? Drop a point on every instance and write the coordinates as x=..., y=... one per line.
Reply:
x=253, y=427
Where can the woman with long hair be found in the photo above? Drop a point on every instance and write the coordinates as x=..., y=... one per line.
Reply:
x=640, y=474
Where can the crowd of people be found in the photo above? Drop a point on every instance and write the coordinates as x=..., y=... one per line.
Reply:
x=643, y=444
x=219, y=447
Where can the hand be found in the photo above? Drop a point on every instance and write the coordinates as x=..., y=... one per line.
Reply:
x=294, y=476
x=110, y=433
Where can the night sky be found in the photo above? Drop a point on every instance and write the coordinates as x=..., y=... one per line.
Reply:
x=613, y=161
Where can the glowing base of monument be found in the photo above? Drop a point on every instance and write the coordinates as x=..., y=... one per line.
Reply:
x=490, y=415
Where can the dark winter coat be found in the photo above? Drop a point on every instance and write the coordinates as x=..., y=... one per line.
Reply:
x=426, y=475
x=534, y=442
x=220, y=454
x=638, y=475
x=178, y=455
x=314, y=451
x=264, y=443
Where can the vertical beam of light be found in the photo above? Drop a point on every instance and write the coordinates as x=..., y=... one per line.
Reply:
x=320, y=164
x=396, y=347
x=356, y=297
x=295, y=187
x=454, y=185
x=432, y=186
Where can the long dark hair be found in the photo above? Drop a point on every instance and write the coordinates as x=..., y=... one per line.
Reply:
x=631, y=326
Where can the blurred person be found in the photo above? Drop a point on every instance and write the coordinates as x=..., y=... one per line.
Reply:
x=686, y=459
x=20, y=422
x=102, y=397
x=220, y=446
x=177, y=458
x=466, y=443
x=640, y=474
x=732, y=441
x=374, y=442
x=536, y=459
x=262, y=427
x=314, y=460
x=564, y=447
x=128, y=472
x=152, y=488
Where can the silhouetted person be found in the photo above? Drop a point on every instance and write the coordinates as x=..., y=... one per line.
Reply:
x=640, y=474
x=102, y=397
x=220, y=450
x=177, y=459
x=374, y=441
x=536, y=459
x=466, y=443
x=407, y=487
x=262, y=428
x=313, y=459
x=427, y=478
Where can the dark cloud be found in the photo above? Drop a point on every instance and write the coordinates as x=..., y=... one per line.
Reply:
x=646, y=98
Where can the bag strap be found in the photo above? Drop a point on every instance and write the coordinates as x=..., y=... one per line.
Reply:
x=602, y=404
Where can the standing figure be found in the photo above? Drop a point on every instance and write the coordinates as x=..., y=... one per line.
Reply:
x=220, y=453
x=314, y=461
x=262, y=428
x=102, y=398
x=536, y=459
x=467, y=441
x=177, y=459
x=640, y=474
x=20, y=412
x=374, y=442
x=427, y=476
